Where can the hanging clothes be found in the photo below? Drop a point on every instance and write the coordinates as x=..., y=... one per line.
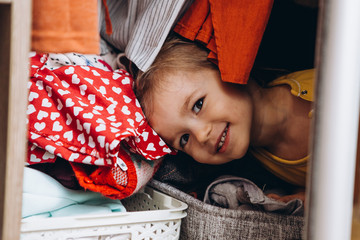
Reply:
x=232, y=30
x=61, y=26
x=140, y=27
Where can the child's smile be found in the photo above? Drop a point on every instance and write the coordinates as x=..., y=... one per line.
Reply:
x=199, y=114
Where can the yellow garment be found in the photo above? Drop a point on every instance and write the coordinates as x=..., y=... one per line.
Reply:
x=292, y=171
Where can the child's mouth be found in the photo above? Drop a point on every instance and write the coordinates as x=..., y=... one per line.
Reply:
x=222, y=139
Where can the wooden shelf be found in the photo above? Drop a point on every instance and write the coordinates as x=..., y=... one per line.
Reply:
x=15, y=21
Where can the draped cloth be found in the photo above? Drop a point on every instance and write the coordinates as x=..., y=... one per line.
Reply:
x=232, y=30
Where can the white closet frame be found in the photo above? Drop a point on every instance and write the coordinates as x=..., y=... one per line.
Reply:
x=15, y=22
x=335, y=129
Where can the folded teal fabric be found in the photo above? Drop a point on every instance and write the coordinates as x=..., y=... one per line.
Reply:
x=43, y=196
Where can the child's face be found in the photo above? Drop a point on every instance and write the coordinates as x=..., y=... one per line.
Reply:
x=199, y=114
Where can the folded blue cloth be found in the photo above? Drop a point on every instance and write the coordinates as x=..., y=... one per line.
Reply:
x=43, y=196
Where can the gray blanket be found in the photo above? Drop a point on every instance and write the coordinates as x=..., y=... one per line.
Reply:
x=239, y=193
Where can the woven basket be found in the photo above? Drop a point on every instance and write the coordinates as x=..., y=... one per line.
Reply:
x=206, y=221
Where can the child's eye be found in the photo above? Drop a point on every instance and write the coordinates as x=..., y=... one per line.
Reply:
x=183, y=140
x=198, y=105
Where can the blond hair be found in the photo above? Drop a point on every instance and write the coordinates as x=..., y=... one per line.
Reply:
x=175, y=55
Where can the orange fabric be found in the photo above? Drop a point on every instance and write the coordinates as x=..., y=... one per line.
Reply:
x=61, y=26
x=107, y=19
x=102, y=180
x=232, y=30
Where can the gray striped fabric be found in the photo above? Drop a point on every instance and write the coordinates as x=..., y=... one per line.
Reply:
x=140, y=27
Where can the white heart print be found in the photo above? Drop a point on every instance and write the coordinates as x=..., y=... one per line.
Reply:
x=65, y=84
x=100, y=108
x=50, y=149
x=87, y=160
x=40, y=85
x=85, y=68
x=33, y=95
x=39, y=126
x=126, y=99
x=130, y=121
x=101, y=140
x=96, y=112
x=49, y=90
x=111, y=109
x=78, y=125
x=33, y=158
x=112, y=118
x=138, y=117
x=82, y=89
x=42, y=114
x=60, y=105
x=77, y=110
x=126, y=80
x=57, y=126
x=49, y=78
x=150, y=147
x=116, y=90
x=46, y=103
x=30, y=109
x=91, y=98
x=91, y=142
x=125, y=110
x=89, y=80
x=145, y=136
x=75, y=79
x=114, y=130
x=87, y=127
x=118, y=124
x=105, y=80
x=70, y=70
x=34, y=135
x=73, y=156
x=81, y=138
x=69, y=135
x=54, y=115
x=69, y=102
x=88, y=115
x=100, y=128
x=116, y=76
x=68, y=119
x=63, y=92
x=48, y=155
x=102, y=89
x=95, y=73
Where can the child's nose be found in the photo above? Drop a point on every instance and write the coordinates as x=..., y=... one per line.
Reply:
x=201, y=132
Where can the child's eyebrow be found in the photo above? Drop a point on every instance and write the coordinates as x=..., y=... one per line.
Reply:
x=187, y=101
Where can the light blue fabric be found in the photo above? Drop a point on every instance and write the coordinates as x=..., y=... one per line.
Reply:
x=43, y=196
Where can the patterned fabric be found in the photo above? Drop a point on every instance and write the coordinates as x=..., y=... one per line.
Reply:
x=88, y=114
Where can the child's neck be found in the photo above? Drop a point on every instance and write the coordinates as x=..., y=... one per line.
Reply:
x=271, y=107
x=278, y=116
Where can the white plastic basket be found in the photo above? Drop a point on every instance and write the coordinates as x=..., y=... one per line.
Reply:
x=150, y=215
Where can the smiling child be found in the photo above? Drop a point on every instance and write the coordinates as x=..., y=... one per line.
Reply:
x=215, y=122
